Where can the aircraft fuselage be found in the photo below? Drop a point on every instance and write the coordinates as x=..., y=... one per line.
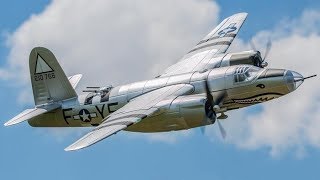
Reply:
x=241, y=91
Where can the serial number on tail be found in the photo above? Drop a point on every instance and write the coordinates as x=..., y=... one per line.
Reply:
x=41, y=77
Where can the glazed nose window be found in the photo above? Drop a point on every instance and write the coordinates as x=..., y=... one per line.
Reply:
x=245, y=74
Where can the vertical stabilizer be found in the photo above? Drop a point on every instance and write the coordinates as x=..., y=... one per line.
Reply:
x=49, y=82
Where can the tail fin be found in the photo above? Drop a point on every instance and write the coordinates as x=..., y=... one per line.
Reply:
x=49, y=82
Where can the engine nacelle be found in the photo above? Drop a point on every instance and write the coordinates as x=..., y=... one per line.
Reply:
x=245, y=57
x=190, y=108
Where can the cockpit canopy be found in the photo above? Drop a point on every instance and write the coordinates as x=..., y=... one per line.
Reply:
x=245, y=73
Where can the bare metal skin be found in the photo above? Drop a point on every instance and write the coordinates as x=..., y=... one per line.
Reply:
x=197, y=91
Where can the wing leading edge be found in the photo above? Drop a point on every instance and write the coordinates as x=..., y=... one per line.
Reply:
x=133, y=112
x=216, y=42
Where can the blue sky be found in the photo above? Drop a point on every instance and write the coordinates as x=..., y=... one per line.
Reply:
x=29, y=153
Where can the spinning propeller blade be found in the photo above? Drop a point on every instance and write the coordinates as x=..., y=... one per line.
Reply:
x=203, y=130
x=268, y=48
x=222, y=130
x=253, y=46
x=210, y=113
x=266, y=53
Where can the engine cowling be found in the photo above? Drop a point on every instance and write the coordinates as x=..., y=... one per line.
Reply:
x=190, y=108
x=245, y=57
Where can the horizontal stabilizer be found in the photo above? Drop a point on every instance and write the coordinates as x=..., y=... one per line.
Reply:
x=30, y=113
x=74, y=80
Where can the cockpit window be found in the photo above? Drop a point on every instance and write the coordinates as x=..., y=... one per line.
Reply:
x=245, y=73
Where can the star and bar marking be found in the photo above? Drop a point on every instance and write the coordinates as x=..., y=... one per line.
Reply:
x=85, y=116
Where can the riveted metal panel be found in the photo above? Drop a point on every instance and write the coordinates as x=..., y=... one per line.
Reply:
x=124, y=89
x=114, y=91
x=199, y=76
x=137, y=87
x=198, y=80
x=179, y=79
x=155, y=84
x=230, y=77
x=216, y=79
x=214, y=62
x=226, y=61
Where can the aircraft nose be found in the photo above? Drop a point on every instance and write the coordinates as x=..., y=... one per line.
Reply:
x=293, y=80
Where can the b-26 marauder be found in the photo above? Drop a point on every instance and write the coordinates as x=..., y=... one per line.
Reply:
x=195, y=92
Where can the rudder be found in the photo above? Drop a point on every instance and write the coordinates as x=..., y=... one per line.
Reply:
x=49, y=82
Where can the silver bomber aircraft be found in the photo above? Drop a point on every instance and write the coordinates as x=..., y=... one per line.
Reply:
x=195, y=92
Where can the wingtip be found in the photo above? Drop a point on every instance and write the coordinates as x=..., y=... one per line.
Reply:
x=241, y=14
x=73, y=147
x=9, y=123
x=68, y=149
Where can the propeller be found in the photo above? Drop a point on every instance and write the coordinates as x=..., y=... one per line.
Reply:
x=268, y=48
x=210, y=112
x=222, y=130
x=267, y=51
x=253, y=46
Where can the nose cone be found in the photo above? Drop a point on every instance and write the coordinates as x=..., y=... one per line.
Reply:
x=293, y=80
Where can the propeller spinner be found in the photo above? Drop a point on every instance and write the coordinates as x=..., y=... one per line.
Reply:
x=210, y=106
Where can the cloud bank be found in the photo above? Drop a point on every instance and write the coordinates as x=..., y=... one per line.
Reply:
x=110, y=42
x=115, y=42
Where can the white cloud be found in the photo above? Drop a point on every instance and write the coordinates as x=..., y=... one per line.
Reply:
x=110, y=42
x=166, y=137
x=122, y=41
x=5, y=75
x=290, y=122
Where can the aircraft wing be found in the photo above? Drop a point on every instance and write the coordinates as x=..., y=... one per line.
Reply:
x=216, y=42
x=133, y=112
x=30, y=113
